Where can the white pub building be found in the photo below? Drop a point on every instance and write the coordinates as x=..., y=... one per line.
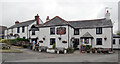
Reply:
x=64, y=34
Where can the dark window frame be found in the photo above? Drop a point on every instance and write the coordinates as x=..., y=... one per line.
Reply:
x=18, y=29
x=76, y=33
x=114, y=42
x=98, y=41
x=52, y=31
x=99, y=30
x=33, y=32
x=51, y=42
x=119, y=41
x=23, y=29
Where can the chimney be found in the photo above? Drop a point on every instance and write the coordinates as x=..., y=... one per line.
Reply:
x=107, y=15
x=47, y=19
x=37, y=19
x=17, y=22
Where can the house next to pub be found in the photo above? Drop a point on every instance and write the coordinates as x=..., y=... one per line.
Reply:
x=21, y=29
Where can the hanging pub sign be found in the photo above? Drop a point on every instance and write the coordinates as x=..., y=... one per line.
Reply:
x=61, y=30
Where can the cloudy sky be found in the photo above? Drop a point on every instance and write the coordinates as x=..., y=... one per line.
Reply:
x=22, y=10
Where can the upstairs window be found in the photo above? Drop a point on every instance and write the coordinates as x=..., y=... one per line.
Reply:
x=18, y=29
x=33, y=32
x=23, y=29
x=99, y=41
x=114, y=41
x=52, y=31
x=99, y=30
x=76, y=31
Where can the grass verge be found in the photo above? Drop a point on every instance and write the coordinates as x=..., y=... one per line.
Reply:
x=10, y=51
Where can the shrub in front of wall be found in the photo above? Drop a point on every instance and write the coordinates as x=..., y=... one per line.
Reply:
x=4, y=41
x=22, y=39
x=25, y=46
x=70, y=50
x=12, y=41
x=54, y=46
x=88, y=47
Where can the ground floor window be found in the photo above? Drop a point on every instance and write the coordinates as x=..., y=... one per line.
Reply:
x=113, y=41
x=52, y=41
x=99, y=41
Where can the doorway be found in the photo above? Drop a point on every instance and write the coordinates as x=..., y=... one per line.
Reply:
x=76, y=43
x=52, y=42
x=34, y=39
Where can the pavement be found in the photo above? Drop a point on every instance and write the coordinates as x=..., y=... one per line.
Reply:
x=35, y=56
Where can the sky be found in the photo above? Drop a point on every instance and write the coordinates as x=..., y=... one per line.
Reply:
x=23, y=10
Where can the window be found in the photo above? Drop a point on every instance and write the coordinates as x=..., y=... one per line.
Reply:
x=52, y=41
x=99, y=41
x=99, y=30
x=52, y=31
x=33, y=32
x=119, y=41
x=23, y=29
x=76, y=31
x=114, y=41
x=18, y=29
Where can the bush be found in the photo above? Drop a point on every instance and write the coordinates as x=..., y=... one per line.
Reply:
x=70, y=50
x=4, y=41
x=17, y=41
x=54, y=46
x=22, y=39
x=25, y=46
x=88, y=47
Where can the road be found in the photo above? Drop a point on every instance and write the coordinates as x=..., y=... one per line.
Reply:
x=33, y=56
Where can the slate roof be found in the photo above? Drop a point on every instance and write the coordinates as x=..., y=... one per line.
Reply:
x=22, y=24
x=91, y=23
x=116, y=36
x=55, y=21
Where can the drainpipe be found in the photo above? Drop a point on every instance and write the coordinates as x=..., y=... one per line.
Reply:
x=111, y=39
x=27, y=31
x=68, y=36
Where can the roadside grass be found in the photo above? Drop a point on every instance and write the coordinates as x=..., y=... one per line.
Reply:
x=10, y=51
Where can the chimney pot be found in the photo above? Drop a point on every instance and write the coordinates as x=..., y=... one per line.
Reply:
x=37, y=19
x=47, y=18
x=17, y=22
